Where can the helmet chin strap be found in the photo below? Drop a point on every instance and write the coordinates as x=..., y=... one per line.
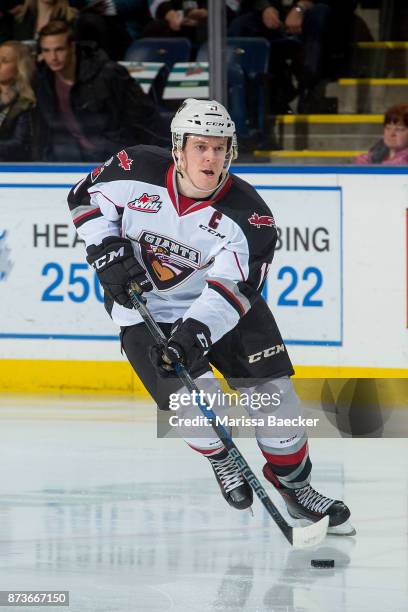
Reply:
x=185, y=176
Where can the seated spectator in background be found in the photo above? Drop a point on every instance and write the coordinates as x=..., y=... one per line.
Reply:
x=136, y=14
x=392, y=149
x=94, y=20
x=16, y=101
x=176, y=18
x=89, y=107
x=323, y=30
x=98, y=20
x=6, y=19
x=33, y=15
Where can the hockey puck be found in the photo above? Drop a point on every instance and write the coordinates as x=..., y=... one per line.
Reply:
x=322, y=563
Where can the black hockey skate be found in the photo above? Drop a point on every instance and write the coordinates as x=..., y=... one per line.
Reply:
x=233, y=485
x=307, y=504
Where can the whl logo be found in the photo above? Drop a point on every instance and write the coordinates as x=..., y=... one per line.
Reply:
x=146, y=203
x=124, y=161
x=261, y=220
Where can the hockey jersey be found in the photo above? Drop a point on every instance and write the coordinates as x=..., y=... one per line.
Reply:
x=207, y=259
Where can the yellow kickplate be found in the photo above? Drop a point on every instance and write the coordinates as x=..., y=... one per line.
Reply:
x=116, y=377
x=289, y=119
x=387, y=82
x=384, y=44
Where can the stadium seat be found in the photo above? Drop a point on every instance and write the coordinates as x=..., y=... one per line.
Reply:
x=252, y=54
x=167, y=50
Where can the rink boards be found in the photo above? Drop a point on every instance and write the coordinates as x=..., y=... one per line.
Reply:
x=337, y=286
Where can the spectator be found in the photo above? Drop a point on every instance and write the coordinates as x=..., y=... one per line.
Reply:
x=33, y=15
x=95, y=20
x=100, y=21
x=16, y=101
x=265, y=19
x=392, y=149
x=322, y=29
x=6, y=19
x=326, y=29
x=177, y=18
x=89, y=106
x=136, y=15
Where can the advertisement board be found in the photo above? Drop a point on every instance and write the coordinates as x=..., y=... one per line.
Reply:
x=305, y=280
x=50, y=291
x=336, y=285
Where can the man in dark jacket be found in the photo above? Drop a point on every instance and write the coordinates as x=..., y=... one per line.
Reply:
x=89, y=106
x=314, y=34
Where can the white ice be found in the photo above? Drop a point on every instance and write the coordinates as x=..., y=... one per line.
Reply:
x=92, y=502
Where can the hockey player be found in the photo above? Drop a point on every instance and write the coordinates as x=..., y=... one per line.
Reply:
x=198, y=242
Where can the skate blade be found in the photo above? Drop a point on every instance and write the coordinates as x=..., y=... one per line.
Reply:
x=345, y=529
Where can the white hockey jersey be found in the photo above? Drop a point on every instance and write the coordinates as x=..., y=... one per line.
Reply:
x=207, y=259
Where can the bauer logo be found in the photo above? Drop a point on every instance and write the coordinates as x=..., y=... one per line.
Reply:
x=247, y=473
x=5, y=262
x=146, y=203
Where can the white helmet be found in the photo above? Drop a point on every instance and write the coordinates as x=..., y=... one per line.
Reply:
x=204, y=118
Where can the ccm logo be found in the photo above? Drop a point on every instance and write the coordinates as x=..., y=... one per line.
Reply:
x=105, y=259
x=269, y=352
x=211, y=231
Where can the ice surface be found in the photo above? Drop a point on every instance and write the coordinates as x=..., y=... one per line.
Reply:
x=92, y=502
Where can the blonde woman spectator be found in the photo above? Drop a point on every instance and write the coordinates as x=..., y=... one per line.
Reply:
x=33, y=15
x=16, y=101
x=392, y=149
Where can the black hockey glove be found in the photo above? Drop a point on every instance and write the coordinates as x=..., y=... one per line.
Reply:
x=188, y=343
x=116, y=265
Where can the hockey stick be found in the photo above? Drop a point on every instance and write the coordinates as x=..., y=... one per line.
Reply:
x=299, y=537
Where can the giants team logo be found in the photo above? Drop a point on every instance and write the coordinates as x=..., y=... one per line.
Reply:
x=124, y=161
x=146, y=203
x=261, y=220
x=168, y=262
x=96, y=172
